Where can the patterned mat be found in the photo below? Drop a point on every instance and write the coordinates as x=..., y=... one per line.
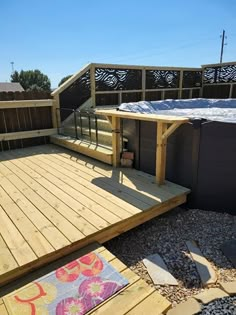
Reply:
x=73, y=289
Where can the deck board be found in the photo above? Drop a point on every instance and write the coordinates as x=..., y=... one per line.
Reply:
x=53, y=202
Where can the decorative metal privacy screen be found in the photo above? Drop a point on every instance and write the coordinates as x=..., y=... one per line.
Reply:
x=161, y=79
x=220, y=74
x=117, y=79
x=77, y=93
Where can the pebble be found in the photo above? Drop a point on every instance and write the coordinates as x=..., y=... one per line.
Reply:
x=166, y=235
x=223, y=306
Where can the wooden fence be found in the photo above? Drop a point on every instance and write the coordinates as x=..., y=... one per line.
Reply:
x=25, y=123
x=25, y=95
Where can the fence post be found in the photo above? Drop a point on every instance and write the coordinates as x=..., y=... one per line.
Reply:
x=93, y=85
x=56, y=115
x=181, y=84
x=143, y=84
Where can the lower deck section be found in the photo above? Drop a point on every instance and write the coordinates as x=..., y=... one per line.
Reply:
x=126, y=301
x=54, y=201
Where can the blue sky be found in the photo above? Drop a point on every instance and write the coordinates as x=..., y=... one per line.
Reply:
x=59, y=37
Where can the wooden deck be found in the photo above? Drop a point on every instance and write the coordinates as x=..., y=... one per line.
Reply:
x=53, y=202
x=126, y=301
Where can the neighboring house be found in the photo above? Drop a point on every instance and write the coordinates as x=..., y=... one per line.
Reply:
x=10, y=87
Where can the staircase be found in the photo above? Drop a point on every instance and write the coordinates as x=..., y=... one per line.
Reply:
x=87, y=133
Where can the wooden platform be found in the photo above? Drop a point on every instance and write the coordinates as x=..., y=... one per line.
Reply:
x=127, y=301
x=54, y=201
x=98, y=152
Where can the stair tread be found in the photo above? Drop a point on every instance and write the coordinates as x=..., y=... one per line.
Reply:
x=86, y=144
x=85, y=129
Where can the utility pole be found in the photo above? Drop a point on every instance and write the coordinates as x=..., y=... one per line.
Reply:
x=223, y=37
x=12, y=66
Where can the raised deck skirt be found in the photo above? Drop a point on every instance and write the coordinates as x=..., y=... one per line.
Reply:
x=54, y=201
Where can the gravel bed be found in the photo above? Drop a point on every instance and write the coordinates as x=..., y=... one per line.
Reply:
x=224, y=306
x=166, y=235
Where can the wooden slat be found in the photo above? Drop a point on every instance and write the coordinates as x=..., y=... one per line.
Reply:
x=82, y=185
x=27, y=134
x=219, y=64
x=3, y=310
x=154, y=304
x=85, y=177
x=24, y=184
x=130, y=297
x=130, y=177
x=32, y=235
x=7, y=261
x=19, y=247
x=63, y=192
x=143, y=117
x=80, y=146
x=170, y=130
x=68, y=82
x=57, y=211
x=43, y=224
x=72, y=188
x=130, y=195
x=148, y=193
x=26, y=104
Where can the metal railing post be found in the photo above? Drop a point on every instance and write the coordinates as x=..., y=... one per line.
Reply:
x=75, y=123
x=96, y=128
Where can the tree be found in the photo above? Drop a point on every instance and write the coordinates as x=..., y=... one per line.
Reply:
x=32, y=80
x=64, y=79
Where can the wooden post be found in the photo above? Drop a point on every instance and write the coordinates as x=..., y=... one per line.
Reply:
x=119, y=98
x=161, y=153
x=93, y=85
x=56, y=116
x=143, y=84
x=231, y=90
x=162, y=94
x=116, y=140
x=181, y=84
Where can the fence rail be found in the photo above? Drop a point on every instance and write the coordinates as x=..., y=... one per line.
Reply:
x=21, y=122
x=107, y=84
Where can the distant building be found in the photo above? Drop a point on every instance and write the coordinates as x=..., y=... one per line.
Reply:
x=10, y=87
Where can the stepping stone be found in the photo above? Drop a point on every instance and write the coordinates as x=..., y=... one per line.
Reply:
x=158, y=270
x=190, y=307
x=229, y=250
x=229, y=287
x=210, y=295
x=204, y=268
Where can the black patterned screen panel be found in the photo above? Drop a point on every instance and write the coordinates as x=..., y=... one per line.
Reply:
x=118, y=79
x=220, y=74
x=77, y=93
x=192, y=79
x=162, y=79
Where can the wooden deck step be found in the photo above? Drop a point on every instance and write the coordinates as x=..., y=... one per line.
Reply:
x=101, y=153
x=135, y=298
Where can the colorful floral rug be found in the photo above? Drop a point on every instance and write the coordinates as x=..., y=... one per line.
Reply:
x=73, y=289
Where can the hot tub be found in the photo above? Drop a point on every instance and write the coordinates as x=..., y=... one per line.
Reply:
x=201, y=155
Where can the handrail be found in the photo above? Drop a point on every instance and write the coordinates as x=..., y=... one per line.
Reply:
x=71, y=80
x=82, y=113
